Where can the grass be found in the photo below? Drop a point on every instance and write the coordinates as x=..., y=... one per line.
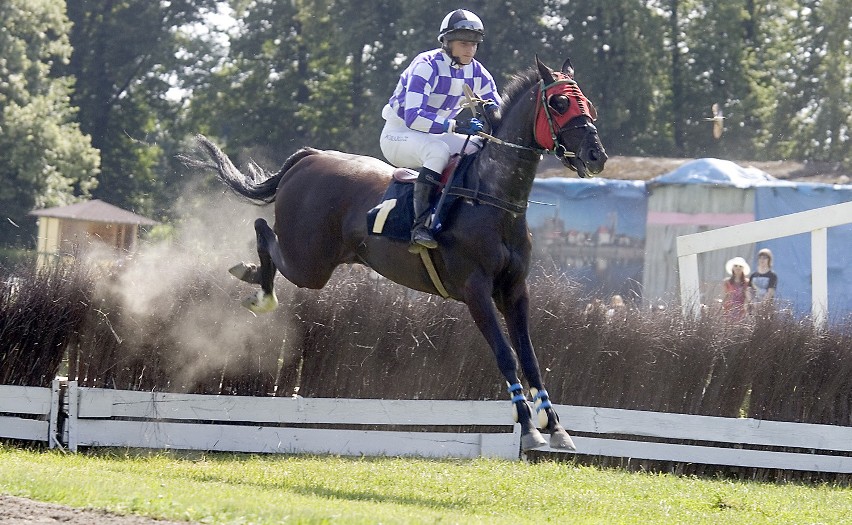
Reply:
x=238, y=488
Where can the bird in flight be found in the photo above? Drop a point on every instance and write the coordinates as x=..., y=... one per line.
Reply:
x=717, y=119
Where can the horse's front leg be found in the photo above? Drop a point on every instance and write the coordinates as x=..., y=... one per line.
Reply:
x=484, y=313
x=515, y=309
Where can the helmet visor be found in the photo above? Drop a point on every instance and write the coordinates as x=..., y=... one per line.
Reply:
x=464, y=34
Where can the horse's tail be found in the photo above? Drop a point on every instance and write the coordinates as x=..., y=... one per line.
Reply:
x=259, y=185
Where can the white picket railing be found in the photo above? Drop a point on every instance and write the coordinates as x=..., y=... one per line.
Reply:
x=375, y=427
x=814, y=221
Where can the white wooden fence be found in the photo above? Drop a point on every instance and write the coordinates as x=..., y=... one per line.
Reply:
x=29, y=413
x=248, y=424
x=815, y=221
x=101, y=417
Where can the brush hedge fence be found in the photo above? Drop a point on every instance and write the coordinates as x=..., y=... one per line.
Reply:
x=362, y=337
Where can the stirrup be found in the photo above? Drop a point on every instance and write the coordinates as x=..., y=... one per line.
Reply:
x=421, y=236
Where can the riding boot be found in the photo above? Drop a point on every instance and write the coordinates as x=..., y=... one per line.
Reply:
x=420, y=233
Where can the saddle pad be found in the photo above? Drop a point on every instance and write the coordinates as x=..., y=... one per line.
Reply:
x=393, y=216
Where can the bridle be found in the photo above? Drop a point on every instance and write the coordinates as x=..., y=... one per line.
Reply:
x=547, y=127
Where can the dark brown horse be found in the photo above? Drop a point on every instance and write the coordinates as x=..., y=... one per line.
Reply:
x=322, y=198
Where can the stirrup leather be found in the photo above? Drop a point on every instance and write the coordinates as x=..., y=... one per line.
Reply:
x=430, y=269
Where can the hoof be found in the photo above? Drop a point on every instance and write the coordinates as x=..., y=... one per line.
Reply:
x=261, y=303
x=532, y=440
x=559, y=439
x=245, y=272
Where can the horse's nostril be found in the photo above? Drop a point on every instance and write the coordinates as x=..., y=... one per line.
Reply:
x=593, y=156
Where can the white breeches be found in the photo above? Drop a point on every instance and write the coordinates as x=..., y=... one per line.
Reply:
x=406, y=148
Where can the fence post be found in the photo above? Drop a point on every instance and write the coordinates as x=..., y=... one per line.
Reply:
x=53, y=417
x=72, y=399
x=689, y=292
x=819, y=276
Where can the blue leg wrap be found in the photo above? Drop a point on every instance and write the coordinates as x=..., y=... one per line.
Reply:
x=542, y=396
x=517, y=392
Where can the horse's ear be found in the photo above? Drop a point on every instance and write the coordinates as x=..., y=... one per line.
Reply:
x=568, y=68
x=544, y=72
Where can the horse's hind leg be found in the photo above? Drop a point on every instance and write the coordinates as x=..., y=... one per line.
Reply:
x=267, y=248
x=246, y=272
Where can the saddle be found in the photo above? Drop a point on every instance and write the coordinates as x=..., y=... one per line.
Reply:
x=393, y=216
x=409, y=176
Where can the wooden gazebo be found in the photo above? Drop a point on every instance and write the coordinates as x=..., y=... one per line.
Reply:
x=66, y=230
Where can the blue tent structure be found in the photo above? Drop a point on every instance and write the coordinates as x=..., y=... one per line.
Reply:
x=593, y=230
x=617, y=236
x=792, y=255
x=716, y=172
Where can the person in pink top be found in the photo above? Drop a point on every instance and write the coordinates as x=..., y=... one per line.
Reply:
x=736, y=289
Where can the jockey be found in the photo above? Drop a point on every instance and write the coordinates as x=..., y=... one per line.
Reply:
x=421, y=129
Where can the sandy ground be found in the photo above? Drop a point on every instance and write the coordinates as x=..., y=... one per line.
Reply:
x=21, y=511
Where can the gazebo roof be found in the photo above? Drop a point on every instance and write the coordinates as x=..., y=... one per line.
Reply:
x=94, y=211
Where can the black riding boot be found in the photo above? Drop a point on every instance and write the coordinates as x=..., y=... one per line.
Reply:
x=420, y=234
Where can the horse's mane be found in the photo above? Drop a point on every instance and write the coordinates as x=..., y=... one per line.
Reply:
x=520, y=83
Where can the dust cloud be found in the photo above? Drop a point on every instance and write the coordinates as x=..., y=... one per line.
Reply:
x=177, y=296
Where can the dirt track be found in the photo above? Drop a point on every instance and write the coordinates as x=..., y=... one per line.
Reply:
x=21, y=511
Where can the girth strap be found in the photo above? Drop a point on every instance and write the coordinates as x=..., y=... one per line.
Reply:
x=433, y=274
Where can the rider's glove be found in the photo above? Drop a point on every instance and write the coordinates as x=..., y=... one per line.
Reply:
x=468, y=126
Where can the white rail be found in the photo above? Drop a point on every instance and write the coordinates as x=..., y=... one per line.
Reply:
x=376, y=427
x=29, y=413
x=814, y=221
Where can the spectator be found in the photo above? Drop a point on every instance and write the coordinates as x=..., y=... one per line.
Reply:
x=735, y=287
x=617, y=308
x=763, y=282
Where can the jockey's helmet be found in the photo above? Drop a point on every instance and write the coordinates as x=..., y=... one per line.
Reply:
x=461, y=25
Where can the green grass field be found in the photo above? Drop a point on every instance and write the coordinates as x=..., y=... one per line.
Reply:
x=235, y=488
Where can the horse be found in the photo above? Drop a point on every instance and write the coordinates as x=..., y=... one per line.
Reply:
x=483, y=256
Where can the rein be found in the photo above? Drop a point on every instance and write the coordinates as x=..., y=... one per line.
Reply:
x=557, y=150
x=472, y=100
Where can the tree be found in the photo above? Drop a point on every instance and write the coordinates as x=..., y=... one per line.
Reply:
x=616, y=51
x=128, y=57
x=814, y=111
x=317, y=72
x=45, y=159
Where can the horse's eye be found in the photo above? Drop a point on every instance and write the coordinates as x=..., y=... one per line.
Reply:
x=559, y=103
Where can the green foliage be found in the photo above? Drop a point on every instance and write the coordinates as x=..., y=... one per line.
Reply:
x=317, y=72
x=817, y=97
x=241, y=488
x=284, y=75
x=614, y=48
x=128, y=57
x=45, y=160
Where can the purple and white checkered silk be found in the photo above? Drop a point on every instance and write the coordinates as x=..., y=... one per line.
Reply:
x=430, y=92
